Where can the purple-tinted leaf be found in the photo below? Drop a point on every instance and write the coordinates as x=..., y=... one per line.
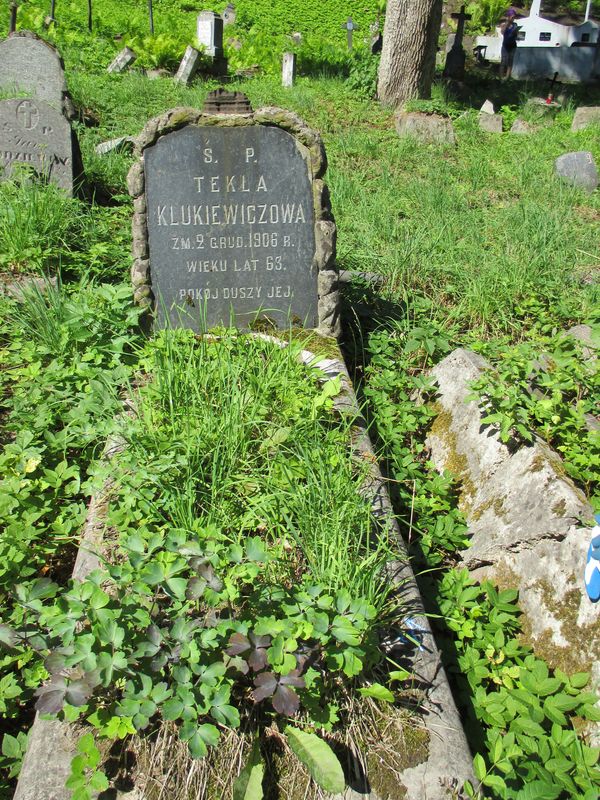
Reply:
x=293, y=678
x=195, y=588
x=78, y=692
x=266, y=684
x=286, y=701
x=208, y=573
x=55, y=663
x=238, y=643
x=154, y=635
x=51, y=696
x=260, y=641
x=258, y=659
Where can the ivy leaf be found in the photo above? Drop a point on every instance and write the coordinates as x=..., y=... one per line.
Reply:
x=319, y=758
x=238, y=644
x=195, y=588
x=255, y=549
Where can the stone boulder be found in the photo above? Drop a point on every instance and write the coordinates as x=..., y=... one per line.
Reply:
x=585, y=116
x=526, y=519
x=578, y=169
x=426, y=128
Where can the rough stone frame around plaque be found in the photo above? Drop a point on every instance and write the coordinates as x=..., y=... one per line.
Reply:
x=329, y=323
x=67, y=108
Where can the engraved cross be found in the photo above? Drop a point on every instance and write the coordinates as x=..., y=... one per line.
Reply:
x=28, y=114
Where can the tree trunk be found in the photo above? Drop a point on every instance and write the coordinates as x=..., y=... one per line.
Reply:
x=12, y=27
x=410, y=39
x=89, y=15
x=151, y=17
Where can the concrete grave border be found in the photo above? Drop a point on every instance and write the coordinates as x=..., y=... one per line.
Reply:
x=329, y=322
x=448, y=764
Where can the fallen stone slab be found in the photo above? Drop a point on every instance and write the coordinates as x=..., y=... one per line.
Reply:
x=584, y=117
x=526, y=519
x=578, y=169
x=118, y=145
x=426, y=128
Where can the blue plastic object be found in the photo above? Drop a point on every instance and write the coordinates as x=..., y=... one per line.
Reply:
x=592, y=567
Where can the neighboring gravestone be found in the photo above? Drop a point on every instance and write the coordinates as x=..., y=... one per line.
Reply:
x=232, y=220
x=522, y=126
x=491, y=123
x=288, y=70
x=122, y=60
x=455, y=60
x=35, y=134
x=578, y=169
x=585, y=116
x=229, y=15
x=426, y=128
x=209, y=32
x=189, y=66
x=29, y=64
x=488, y=107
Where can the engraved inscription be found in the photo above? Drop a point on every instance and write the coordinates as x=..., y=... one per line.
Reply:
x=230, y=227
x=39, y=136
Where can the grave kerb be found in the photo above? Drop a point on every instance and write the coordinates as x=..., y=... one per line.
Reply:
x=323, y=267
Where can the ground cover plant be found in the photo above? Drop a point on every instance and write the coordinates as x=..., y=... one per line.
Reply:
x=65, y=355
x=244, y=568
x=477, y=245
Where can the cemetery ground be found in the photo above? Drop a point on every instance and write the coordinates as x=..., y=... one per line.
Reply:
x=477, y=245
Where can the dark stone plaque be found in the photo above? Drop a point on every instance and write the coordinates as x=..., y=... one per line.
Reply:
x=37, y=135
x=230, y=215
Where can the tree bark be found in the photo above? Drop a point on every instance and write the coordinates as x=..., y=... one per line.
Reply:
x=89, y=15
x=410, y=39
x=151, y=17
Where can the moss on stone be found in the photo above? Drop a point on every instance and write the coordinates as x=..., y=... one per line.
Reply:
x=456, y=463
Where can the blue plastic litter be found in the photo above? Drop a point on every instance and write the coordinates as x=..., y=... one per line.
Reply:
x=592, y=567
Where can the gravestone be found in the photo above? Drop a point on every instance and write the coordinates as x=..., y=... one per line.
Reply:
x=189, y=66
x=29, y=64
x=349, y=26
x=122, y=60
x=288, y=70
x=232, y=221
x=229, y=15
x=585, y=116
x=578, y=169
x=455, y=60
x=209, y=32
x=36, y=135
x=426, y=128
x=491, y=123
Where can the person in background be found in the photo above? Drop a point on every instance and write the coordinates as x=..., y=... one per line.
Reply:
x=509, y=30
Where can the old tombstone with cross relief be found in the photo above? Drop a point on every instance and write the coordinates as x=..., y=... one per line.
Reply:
x=35, y=135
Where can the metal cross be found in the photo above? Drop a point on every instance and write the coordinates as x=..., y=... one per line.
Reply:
x=350, y=26
x=460, y=28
